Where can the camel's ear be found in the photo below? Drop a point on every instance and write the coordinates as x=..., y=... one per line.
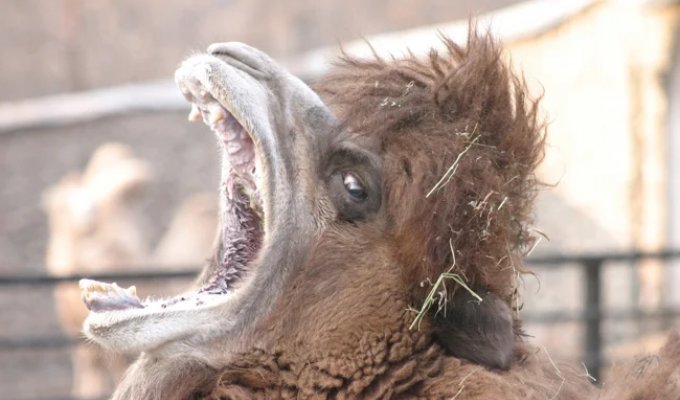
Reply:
x=478, y=331
x=483, y=88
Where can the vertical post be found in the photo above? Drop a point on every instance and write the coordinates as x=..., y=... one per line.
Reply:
x=593, y=314
x=672, y=288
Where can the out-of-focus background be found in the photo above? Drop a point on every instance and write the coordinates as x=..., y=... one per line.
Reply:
x=100, y=173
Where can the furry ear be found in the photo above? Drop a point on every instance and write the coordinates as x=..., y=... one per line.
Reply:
x=478, y=331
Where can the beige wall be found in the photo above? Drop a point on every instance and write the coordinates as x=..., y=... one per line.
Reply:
x=602, y=72
x=603, y=75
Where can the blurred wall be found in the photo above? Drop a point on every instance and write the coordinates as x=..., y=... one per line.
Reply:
x=673, y=163
x=603, y=73
x=67, y=45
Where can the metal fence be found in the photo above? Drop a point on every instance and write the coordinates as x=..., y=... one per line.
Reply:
x=592, y=314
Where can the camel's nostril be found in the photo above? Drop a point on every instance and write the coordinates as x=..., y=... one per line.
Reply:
x=219, y=49
x=241, y=56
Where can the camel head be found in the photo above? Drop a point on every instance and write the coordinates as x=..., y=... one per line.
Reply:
x=338, y=217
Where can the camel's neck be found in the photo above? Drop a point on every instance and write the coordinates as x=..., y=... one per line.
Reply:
x=168, y=378
x=388, y=367
x=397, y=368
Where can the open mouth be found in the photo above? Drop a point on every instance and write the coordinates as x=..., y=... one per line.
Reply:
x=242, y=212
x=258, y=112
x=241, y=219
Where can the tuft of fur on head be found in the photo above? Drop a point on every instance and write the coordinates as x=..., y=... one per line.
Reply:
x=460, y=110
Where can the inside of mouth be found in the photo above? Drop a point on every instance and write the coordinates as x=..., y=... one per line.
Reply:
x=241, y=210
x=241, y=220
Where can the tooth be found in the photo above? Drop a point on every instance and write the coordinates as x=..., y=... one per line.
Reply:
x=194, y=114
x=216, y=113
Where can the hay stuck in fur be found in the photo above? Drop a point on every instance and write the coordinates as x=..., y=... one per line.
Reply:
x=441, y=294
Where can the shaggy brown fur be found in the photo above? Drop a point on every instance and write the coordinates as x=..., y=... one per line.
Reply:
x=426, y=113
x=650, y=378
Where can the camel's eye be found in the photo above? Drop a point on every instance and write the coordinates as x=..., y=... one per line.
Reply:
x=354, y=187
x=354, y=182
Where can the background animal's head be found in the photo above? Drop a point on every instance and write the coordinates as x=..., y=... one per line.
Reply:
x=92, y=215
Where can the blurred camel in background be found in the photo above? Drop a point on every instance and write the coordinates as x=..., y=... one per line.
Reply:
x=96, y=226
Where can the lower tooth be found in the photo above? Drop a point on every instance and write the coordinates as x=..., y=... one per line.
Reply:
x=194, y=114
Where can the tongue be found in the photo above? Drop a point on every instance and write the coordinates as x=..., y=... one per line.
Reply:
x=101, y=297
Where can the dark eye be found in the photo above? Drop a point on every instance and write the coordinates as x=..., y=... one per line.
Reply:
x=354, y=187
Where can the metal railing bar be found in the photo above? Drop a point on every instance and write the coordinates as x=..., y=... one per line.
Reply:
x=47, y=280
x=56, y=398
x=155, y=272
x=592, y=316
x=38, y=343
x=585, y=258
x=613, y=315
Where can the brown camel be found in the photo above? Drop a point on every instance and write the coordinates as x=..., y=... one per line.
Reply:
x=369, y=245
x=95, y=228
